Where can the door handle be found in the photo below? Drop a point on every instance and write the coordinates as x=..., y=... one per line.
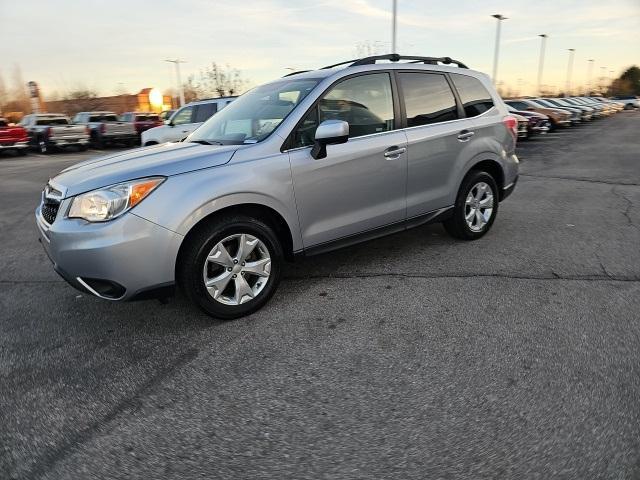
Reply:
x=394, y=152
x=465, y=135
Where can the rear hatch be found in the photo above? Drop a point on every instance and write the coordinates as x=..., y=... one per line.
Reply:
x=112, y=127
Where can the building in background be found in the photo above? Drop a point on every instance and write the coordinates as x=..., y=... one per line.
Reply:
x=146, y=100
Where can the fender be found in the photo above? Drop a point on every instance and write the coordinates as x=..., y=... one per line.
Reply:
x=244, y=198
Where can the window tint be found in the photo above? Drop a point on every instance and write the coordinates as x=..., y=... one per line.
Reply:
x=3, y=123
x=428, y=99
x=204, y=111
x=305, y=133
x=518, y=105
x=183, y=116
x=365, y=102
x=475, y=98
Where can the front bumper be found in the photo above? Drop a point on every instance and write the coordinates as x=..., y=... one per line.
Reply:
x=116, y=260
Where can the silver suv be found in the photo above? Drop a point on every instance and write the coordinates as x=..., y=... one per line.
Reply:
x=305, y=164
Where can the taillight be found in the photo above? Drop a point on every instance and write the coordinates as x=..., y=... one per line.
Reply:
x=512, y=125
x=47, y=132
x=87, y=131
x=103, y=128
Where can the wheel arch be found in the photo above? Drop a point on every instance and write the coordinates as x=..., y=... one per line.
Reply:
x=492, y=167
x=266, y=213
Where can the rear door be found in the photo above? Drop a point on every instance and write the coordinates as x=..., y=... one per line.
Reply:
x=361, y=184
x=437, y=136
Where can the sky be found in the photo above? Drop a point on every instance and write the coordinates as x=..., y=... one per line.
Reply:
x=120, y=45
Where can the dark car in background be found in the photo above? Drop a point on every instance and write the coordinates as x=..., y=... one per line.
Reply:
x=142, y=120
x=537, y=123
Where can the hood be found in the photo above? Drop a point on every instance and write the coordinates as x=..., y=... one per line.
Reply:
x=159, y=160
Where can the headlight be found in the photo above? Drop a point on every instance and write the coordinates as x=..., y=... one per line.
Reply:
x=108, y=203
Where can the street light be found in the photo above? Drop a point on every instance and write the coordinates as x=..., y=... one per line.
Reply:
x=572, y=51
x=498, y=17
x=543, y=36
x=177, y=63
x=394, y=18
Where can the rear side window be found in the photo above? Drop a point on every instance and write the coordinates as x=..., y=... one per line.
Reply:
x=518, y=105
x=475, y=98
x=204, y=111
x=428, y=99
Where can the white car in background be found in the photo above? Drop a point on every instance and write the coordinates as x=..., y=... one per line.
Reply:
x=185, y=120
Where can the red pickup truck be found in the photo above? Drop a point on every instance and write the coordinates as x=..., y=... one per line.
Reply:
x=13, y=138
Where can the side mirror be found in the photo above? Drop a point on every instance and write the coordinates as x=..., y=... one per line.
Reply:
x=529, y=108
x=329, y=132
x=168, y=122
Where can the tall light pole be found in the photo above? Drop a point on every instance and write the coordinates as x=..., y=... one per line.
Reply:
x=589, y=69
x=572, y=51
x=543, y=36
x=177, y=63
x=394, y=21
x=498, y=17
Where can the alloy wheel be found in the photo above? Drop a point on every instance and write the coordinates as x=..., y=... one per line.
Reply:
x=237, y=269
x=478, y=206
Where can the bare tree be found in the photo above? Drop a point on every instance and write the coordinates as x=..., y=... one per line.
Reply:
x=82, y=100
x=192, y=89
x=4, y=96
x=222, y=81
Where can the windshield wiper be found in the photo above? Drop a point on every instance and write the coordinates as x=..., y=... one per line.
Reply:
x=206, y=142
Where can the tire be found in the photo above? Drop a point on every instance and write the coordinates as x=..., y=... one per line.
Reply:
x=82, y=148
x=195, y=264
x=22, y=152
x=457, y=226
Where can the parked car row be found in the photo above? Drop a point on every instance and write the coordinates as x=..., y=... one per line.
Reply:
x=541, y=115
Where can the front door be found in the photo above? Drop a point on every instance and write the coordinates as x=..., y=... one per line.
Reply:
x=361, y=184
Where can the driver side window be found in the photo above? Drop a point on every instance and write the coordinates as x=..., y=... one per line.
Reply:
x=365, y=102
x=183, y=116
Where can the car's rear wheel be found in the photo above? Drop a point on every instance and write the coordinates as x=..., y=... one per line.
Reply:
x=476, y=207
x=230, y=267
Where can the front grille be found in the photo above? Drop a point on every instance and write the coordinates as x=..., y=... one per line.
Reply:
x=49, y=210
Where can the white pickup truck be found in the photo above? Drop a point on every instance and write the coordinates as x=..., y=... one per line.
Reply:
x=106, y=129
x=50, y=131
x=185, y=120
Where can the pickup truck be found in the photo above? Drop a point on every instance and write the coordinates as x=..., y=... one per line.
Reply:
x=106, y=129
x=13, y=137
x=49, y=131
x=142, y=120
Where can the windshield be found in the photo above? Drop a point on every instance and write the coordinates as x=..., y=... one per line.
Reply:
x=253, y=116
x=544, y=104
x=52, y=121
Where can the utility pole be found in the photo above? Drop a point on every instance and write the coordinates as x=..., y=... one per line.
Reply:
x=498, y=17
x=603, y=77
x=394, y=19
x=589, y=69
x=572, y=51
x=177, y=63
x=543, y=36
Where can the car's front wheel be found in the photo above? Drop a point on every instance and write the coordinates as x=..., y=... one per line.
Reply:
x=476, y=207
x=230, y=267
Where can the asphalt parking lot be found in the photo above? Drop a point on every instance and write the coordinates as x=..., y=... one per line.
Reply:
x=412, y=356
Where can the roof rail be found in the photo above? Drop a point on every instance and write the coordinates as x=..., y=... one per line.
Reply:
x=295, y=73
x=395, y=57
